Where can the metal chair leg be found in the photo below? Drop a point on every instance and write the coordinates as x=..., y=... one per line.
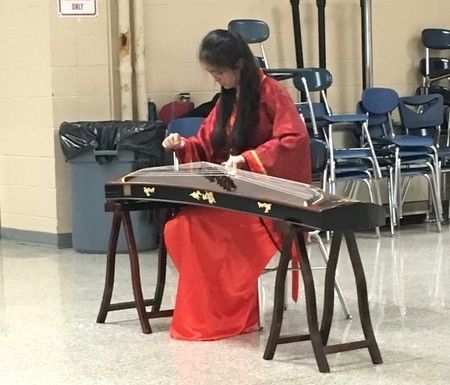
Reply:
x=337, y=286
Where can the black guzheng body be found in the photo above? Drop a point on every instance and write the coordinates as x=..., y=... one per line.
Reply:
x=208, y=184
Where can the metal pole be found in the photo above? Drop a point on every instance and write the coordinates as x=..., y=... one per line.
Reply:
x=366, y=29
x=297, y=32
x=322, y=39
x=139, y=64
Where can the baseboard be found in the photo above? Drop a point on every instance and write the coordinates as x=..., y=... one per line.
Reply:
x=60, y=241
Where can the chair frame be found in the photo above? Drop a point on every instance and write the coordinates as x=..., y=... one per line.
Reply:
x=314, y=79
x=417, y=114
x=379, y=103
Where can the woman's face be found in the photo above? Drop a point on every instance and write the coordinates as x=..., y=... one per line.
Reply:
x=226, y=77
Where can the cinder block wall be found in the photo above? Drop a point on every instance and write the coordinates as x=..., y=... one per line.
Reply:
x=57, y=69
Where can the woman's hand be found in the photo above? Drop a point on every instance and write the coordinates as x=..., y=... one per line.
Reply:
x=173, y=142
x=234, y=161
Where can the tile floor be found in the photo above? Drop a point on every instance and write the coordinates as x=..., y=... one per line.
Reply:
x=49, y=301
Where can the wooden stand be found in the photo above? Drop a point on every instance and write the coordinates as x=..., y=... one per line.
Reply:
x=121, y=215
x=319, y=337
x=292, y=233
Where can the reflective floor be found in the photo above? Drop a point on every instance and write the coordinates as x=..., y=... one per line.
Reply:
x=49, y=301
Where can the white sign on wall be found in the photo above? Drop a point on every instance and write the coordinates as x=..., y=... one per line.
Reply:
x=77, y=7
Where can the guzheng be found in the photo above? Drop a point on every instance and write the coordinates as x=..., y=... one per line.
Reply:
x=213, y=185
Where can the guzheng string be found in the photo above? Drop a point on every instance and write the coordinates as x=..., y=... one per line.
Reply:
x=205, y=169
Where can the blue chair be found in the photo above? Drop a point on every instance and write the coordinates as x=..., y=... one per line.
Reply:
x=434, y=68
x=411, y=153
x=417, y=149
x=308, y=81
x=186, y=127
x=255, y=31
x=355, y=164
x=379, y=104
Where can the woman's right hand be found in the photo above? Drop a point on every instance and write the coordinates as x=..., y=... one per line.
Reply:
x=173, y=142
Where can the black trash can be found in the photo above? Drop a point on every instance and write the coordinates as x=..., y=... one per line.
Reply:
x=97, y=152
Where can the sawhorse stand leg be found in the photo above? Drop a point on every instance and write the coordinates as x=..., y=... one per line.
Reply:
x=319, y=337
x=121, y=216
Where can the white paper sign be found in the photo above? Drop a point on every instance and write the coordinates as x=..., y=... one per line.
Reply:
x=77, y=7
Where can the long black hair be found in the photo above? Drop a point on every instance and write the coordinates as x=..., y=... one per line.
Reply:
x=226, y=49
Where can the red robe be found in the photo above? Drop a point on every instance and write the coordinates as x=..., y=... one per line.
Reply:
x=220, y=254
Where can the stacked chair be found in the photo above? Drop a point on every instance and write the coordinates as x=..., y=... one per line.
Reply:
x=421, y=117
x=435, y=71
x=354, y=165
x=379, y=104
x=413, y=152
x=377, y=151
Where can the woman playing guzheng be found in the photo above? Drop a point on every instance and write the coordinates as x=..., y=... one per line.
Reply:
x=220, y=254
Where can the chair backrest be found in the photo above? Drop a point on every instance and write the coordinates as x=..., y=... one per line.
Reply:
x=378, y=103
x=434, y=69
x=253, y=32
x=186, y=127
x=313, y=80
x=317, y=79
x=422, y=115
x=436, y=38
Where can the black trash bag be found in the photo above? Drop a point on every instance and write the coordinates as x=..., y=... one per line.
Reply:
x=77, y=138
x=145, y=139
x=142, y=137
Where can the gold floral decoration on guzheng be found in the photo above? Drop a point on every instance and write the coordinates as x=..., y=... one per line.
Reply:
x=148, y=191
x=265, y=206
x=205, y=196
